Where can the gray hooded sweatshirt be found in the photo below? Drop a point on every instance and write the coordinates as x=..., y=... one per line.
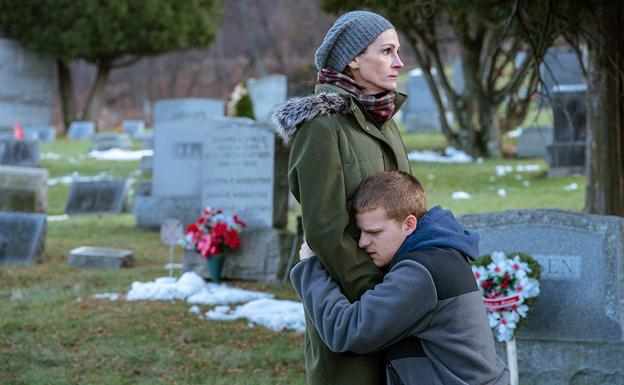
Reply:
x=427, y=314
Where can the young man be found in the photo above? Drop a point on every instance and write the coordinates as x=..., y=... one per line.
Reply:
x=427, y=314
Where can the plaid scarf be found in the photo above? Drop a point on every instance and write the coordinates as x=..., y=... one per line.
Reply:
x=380, y=106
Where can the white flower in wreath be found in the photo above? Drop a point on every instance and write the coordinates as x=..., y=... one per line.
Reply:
x=504, y=324
x=480, y=273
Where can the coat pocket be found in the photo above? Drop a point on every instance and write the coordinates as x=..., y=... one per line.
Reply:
x=411, y=371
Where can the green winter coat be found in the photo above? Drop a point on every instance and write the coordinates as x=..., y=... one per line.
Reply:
x=335, y=148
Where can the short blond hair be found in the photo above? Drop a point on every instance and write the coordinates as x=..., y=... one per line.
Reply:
x=398, y=192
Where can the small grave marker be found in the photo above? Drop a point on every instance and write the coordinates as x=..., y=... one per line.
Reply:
x=100, y=258
x=23, y=237
x=97, y=196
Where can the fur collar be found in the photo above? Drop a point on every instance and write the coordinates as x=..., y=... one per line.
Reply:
x=289, y=116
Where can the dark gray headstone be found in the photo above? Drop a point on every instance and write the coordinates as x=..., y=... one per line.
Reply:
x=420, y=113
x=559, y=67
x=133, y=128
x=147, y=164
x=23, y=189
x=150, y=211
x=143, y=188
x=81, y=130
x=566, y=154
x=40, y=133
x=24, y=237
x=109, y=140
x=19, y=152
x=97, y=196
x=100, y=258
x=581, y=305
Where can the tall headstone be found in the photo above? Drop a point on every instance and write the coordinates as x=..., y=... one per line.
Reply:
x=22, y=238
x=266, y=93
x=19, y=152
x=420, y=114
x=23, y=189
x=81, y=130
x=560, y=67
x=575, y=332
x=566, y=154
x=28, y=90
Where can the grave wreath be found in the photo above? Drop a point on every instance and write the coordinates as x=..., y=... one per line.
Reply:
x=510, y=286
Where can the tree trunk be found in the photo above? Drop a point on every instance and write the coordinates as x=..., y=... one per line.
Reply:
x=92, y=104
x=605, y=134
x=66, y=90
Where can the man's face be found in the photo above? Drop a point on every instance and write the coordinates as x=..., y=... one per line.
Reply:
x=380, y=236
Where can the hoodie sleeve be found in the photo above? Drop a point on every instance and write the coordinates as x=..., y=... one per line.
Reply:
x=381, y=316
x=316, y=178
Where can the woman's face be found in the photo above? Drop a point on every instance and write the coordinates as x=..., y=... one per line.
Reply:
x=377, y=68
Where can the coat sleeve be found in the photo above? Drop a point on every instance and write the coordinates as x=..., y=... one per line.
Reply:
x=316, y=178
x=381, y=316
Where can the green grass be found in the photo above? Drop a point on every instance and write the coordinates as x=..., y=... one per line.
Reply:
x=53, y=332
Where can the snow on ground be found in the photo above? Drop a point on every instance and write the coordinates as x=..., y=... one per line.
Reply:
x=460, y=195
x=502, y=170
x=274, y=314
x=50, y=156
x=571, y=187
x=119, y=154
x=502, y=192
x=58, y=218
x=75, y=176
x=260, y=308
x=451, y=155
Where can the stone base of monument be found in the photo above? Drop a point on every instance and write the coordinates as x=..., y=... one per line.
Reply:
x=567, y=363
x=100, y=258
x=151, y=211
x=566, y=158
x=262, y=257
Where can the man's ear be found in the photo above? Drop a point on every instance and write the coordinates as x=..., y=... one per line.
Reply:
x=410, y=224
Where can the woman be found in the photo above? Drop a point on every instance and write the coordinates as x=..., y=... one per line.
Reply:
x=341, y=136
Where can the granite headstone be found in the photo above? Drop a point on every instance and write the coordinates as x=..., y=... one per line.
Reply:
x=19, y=152
x=28, y=86
x=420, y=114
x=559, y=67
x=24, y=237
x=23, y=189
x=81, y=130
x=576, y=328
x=100, y=258
x=40, y=133
x=177, y=110
x=533, y=141
x=97, y=196
x=109, y=140
x=133, y=128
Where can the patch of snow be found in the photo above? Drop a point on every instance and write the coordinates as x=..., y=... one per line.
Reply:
x=50, y=156
x=571, y=187
x=58, y=218
x=119, y=154
x=111, y=296
x=451, y=155
x=274, y=314
x=460, y=195
x=501, y=192
x=526, y=183
x=502, y=170
x=430, y=176
x=75, y=176
x=515, y=133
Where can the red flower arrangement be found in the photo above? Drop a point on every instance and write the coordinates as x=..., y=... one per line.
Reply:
x=213, y=233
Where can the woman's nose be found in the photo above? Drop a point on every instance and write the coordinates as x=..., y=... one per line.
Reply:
x=396, y=62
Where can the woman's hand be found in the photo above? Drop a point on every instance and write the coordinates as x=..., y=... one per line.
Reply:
x=305, y=252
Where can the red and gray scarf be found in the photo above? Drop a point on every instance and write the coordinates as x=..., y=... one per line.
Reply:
x=379, y=106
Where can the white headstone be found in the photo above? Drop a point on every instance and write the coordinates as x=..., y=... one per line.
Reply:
x=265, y=94
x=81, y=130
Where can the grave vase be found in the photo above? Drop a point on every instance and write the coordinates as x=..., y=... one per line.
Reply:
x=215, y=266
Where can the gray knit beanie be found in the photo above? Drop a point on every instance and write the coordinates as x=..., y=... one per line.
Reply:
x=348, y=37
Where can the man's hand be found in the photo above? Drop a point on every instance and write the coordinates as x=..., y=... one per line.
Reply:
x=305, y=252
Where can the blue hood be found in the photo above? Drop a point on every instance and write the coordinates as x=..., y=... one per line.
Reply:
x=439, y=228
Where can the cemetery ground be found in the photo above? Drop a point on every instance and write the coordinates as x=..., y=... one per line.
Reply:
x=52, y=331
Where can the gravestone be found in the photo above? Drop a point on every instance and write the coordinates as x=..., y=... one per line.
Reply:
x=19, y=152
x=559, y=67
x=147, y=164
x=533, y=141
x=420, y=114
x=23, y=189
x=566, y=154
x=575, y=331
x=81, y=130
x=176, y=110
x=40, y=133
x=266, y=93
x=100, y=258
x=134, y=128
x=23, y=237
x=28, y=86
x=109, y=140
x=97, y=196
